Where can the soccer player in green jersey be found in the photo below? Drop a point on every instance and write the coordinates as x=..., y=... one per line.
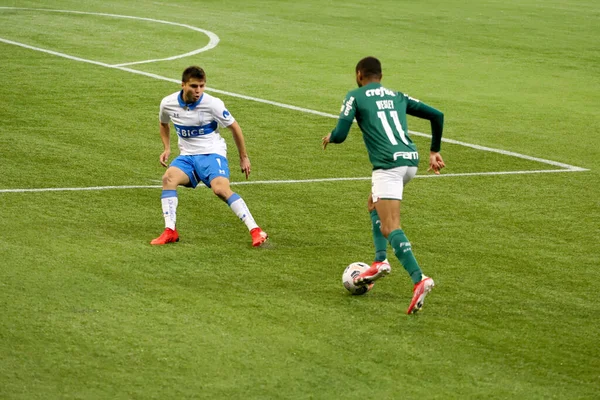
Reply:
x=381, y=116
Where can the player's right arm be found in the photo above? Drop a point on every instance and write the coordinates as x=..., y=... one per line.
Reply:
x=341, y=130
x=165, y=137
x=165, y=133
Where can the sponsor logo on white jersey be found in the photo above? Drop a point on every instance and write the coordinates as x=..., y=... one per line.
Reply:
x=197, y=127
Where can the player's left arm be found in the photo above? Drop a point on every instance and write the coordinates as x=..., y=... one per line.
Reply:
x=240, y=143
x=224, y=117
x=421, y=110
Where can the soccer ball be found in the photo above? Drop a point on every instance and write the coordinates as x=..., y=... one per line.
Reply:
x=351, y=272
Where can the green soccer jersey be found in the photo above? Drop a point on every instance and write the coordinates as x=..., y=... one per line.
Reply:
x=381, y=116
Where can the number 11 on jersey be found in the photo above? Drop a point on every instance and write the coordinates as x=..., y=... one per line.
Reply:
x=388, y=129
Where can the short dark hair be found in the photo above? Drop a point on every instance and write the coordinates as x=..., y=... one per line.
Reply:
x=193, y=72
x=369, y=67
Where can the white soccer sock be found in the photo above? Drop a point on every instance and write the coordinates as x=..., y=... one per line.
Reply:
x=239, y=207
x=169, y=206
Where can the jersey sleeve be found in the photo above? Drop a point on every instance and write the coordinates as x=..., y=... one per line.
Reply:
x=347, y=114
x=348, y=111
x=436, y=117
x=221, y=114
x=163, y=115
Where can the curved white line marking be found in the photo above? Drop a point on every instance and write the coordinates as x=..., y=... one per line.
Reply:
x=212, y=43
x=567, y=167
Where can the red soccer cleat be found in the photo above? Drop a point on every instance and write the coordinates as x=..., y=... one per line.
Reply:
x=258, y=236
x=378, y=269
x=168, y=236
x=419, y=292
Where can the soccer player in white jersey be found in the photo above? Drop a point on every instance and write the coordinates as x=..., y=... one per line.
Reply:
x=196, y=117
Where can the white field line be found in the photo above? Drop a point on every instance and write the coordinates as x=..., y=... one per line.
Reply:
x=212, y=43
x=77, y=189
x=567, y=167
x=163, y=78
x=280, y=182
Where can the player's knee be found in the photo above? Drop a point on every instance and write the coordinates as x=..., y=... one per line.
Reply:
x=168, y=182
x=219, y=193
x=222, y=192
x=220, y=187
x=386, y=230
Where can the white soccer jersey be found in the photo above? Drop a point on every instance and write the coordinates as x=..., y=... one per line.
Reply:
x=197, y=124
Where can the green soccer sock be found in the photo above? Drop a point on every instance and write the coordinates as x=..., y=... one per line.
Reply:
x=378, y=239
x=403, y=250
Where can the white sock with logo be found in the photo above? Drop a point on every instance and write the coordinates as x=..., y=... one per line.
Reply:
x=169, y=203
x=239, y=207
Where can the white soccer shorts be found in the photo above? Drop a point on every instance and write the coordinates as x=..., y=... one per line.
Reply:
x=389, y=183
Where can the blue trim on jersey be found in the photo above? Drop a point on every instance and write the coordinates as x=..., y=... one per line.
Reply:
x=183, y=104
x=234, y=197
x=202, y=167
x=185, y=131
x=168, y=193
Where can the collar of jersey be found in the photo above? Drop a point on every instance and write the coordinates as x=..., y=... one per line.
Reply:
x=191, y=106
x=373, y=84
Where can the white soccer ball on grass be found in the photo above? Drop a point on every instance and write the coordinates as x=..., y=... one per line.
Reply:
x=352, y=271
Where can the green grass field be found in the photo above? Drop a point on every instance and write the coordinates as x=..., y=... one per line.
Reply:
x=89, y=310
